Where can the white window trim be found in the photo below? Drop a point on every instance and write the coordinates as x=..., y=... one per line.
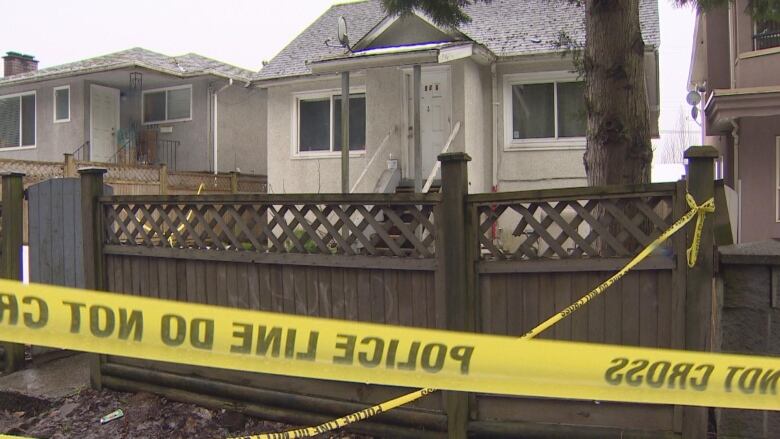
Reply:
x=19, y=148
x=549, y=143
x=777, y=179
x=54, y=103
x=165, y=89
x=295, y=151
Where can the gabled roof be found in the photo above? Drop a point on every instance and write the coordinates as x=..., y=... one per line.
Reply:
x=505, y=27
x=187, y=65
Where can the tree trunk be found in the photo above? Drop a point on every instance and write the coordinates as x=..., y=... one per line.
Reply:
x=618, y=149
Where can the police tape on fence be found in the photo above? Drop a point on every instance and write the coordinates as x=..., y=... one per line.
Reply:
x=311, y=347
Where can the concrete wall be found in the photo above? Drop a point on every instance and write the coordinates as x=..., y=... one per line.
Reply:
x=535, y=168
x=53, y=139
x=758, y=174
x=242, y=130
x=749, y=324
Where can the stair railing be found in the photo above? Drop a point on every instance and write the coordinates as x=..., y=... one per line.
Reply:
x=82, y=152
x=437, y=165
x=378, y=151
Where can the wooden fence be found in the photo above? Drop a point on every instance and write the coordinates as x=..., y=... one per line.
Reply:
x=497, y=263
x=11, y=225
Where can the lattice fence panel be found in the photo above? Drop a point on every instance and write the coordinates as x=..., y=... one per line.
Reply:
x=560, y=229
x=34, y=171
x=405, y=230
x=191, y=181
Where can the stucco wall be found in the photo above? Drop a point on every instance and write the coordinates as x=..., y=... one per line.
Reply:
x=541, y=168
x=242, y=130
x=757, y=171
x=477, y=129
x=52, y=139
x=289, y=174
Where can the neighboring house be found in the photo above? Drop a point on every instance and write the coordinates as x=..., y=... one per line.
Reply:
x=501, y=78
x=189, y=111
x=737, y=62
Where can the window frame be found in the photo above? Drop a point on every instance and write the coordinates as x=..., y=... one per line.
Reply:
x=166, y=90
x=54, y=103
x=331, y=93
x=545, y=143
x=19, y=95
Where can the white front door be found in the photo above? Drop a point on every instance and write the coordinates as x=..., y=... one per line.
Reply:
x=103, y=122
x=435, y=116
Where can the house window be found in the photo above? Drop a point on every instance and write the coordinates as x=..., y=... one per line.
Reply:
x=172, y=104
x=17, y=120
x=542, y=112
x=319, y=122
x=62, y=104
x=766, y=34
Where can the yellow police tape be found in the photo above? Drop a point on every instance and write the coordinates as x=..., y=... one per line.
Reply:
x=697, y=211
x=311, y=347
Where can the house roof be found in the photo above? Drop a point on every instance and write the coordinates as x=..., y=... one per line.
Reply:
x=187, y=65
x=505, y=27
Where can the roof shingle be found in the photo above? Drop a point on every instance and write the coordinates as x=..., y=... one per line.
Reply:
x=505, y=27
x=190, y=64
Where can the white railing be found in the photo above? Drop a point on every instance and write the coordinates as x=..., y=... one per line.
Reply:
x=437, y=165
x=379, y=150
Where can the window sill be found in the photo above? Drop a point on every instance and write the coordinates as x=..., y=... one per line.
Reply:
x=542, y=145
x=62, y=121
x=760, y=52
x=326, y=155
x=162, y=122
x=17, y=148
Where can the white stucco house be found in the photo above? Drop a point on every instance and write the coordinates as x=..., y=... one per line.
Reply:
x=498, y=86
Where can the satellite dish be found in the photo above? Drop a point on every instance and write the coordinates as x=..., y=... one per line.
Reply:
x=342, y=32
x=693, y=98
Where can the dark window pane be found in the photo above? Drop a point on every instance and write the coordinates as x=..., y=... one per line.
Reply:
x=62, y=104
x=571, y=109
x=9, y=122
x=28, y=120
x=154, y=107
x=179, y=104
x=314, y=125
x=357, y=123
x=533, y=114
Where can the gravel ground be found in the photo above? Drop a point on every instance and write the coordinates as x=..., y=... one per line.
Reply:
x=146, y=416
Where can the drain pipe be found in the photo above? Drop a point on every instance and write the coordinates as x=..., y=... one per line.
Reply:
x=495, y=107
x=737, y=182
x=215, y=118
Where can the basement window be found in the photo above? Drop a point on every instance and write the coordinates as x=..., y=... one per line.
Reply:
x=162, y=105
x=544, y=112
x=17, y=120
x=318, y=127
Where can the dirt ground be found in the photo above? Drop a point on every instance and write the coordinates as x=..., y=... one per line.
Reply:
x=50, y=412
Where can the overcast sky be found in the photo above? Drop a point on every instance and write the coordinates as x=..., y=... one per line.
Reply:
x=244, y=33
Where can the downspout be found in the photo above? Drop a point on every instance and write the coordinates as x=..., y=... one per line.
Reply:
x=216, y=125
x=495, y=107
x=737, y=182
x=732, y=49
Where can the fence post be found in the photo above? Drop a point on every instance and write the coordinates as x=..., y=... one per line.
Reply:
x=92, y=231
x=69, y=169
x=11, y=258
x=699, y=287
x=163, y=179
x=457, y=236
x=233, y=182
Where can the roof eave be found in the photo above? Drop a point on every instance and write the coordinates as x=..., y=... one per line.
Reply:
x=338, y=65
x=118, y=66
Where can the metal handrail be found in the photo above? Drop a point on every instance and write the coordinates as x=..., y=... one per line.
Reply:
x=768, y=36
x=437, y=165
x=79, y=153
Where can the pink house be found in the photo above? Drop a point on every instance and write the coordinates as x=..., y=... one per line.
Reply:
x=736, y=61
